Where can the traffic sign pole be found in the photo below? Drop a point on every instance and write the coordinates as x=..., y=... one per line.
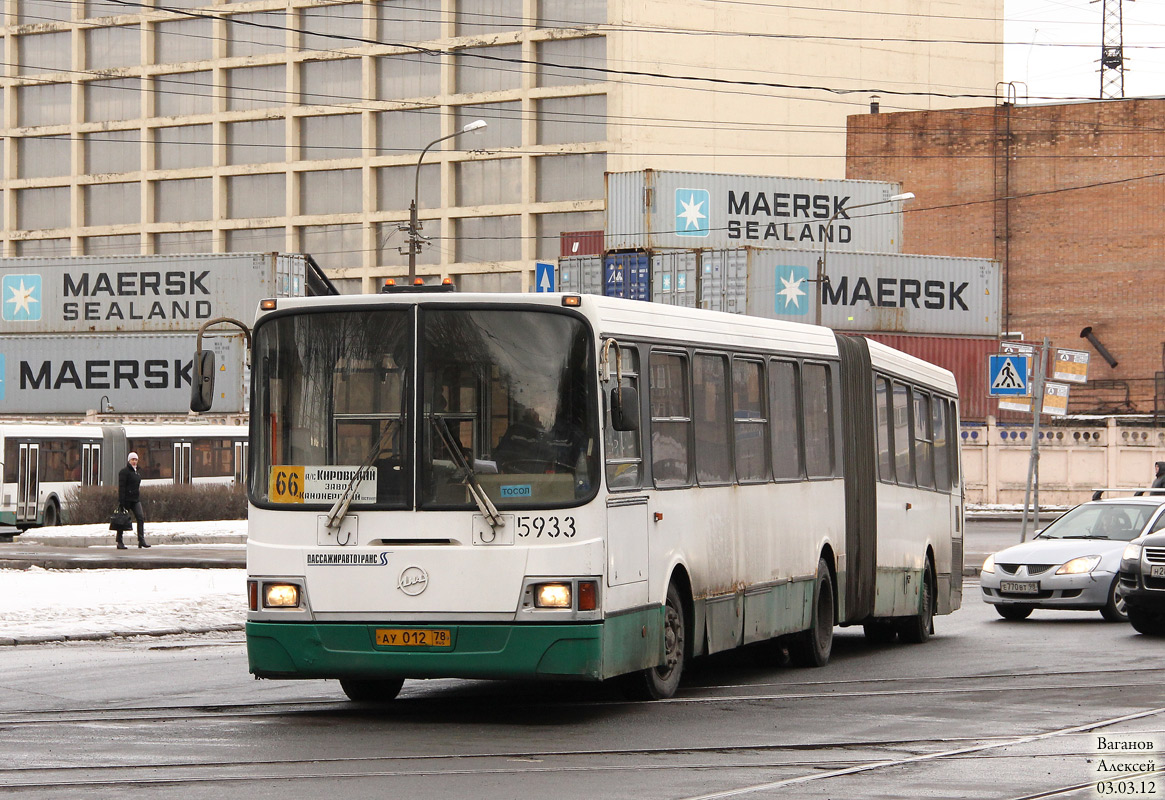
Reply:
x=1033, y=466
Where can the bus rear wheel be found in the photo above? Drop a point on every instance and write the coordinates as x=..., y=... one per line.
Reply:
x=917, y=629
x=660, y=683
x=812, y=648
x=379, y=691
x=52, y=514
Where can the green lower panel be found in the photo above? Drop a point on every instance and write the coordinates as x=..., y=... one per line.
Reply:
x=586, y=651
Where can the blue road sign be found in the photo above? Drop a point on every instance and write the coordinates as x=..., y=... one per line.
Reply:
x=1007, y=375
x=543, y=277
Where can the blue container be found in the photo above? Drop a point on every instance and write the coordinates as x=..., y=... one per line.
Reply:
x=627, y=275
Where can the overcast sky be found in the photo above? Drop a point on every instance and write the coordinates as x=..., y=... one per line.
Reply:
x=1045, y=54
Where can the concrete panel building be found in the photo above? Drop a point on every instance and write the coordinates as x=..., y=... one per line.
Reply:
x=1069, y=198
x=168, y=126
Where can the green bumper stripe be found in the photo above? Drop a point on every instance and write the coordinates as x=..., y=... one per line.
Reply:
x=588, y=651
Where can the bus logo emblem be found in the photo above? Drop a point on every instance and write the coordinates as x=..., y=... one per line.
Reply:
x=413, y=581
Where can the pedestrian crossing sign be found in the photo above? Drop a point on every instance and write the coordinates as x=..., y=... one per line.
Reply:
x=1007, y=375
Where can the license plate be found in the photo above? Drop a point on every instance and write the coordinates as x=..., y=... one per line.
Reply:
x=1157, y=571
x=413, y=637
x=1019, y=587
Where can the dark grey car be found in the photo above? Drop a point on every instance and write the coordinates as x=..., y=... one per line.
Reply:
x=1142, y=579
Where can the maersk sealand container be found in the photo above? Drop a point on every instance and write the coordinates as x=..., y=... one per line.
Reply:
x=653, y=210
x=141, y=294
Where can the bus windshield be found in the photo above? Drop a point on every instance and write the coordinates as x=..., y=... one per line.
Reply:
x=509, y=390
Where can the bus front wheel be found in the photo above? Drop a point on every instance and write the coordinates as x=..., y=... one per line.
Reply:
x=661, y=682
x=382, y=691
x=52, y=514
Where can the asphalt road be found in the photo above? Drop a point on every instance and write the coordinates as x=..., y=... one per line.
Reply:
x=986, y=709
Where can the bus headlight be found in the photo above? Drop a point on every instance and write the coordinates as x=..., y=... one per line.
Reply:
x=552, y=595
x=280, y=595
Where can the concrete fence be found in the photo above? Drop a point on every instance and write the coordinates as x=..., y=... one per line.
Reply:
x=1077, y=456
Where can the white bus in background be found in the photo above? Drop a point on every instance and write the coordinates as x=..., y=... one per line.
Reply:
x=41, y=462
x=579, y=487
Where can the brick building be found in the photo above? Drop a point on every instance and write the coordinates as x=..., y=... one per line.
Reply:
x=1069, y=198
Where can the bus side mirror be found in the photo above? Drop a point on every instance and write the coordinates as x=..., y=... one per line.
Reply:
x=625, y=409
x=202, y=381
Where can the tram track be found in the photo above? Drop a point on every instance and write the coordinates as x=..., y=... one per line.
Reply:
x=706, y=693
x=535, y=762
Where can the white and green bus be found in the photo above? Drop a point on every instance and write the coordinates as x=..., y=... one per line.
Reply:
x=575, y=487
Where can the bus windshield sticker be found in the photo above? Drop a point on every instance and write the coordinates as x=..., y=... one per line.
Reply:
x=321, y=484
x=517, y=490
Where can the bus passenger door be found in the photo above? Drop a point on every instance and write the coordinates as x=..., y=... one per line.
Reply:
x=90, y=464
x=27, y=482
x=240, y=463
x=182, y=454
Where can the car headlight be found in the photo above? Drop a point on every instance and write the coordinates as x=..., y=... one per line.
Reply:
x=989, y=564
x=1132, y=553
x=1079, y=566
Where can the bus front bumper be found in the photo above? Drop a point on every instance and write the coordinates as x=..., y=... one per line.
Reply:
x=579, y=651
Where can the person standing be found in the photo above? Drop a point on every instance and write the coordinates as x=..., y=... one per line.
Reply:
x=129, y=496
x=1158, y=481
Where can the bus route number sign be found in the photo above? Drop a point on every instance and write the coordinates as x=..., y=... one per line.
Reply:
x=286, y=485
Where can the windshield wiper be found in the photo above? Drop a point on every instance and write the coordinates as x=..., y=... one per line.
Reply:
x=340, y=509
x=468, y=476
x=1085, y=536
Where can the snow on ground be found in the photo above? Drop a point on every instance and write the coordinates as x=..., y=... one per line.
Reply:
x=44, y=605
x=40, y=604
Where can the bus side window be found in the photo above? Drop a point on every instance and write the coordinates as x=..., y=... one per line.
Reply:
x=903, y=466
x=942, y=465
x=885, y=424
x=817, y=400
x=671, y=420
x=624, y=456
x=785, y=412
x=750, y=421
x=713, y=456
x=923, y=440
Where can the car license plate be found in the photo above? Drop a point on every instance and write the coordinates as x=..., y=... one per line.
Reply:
x=1157, y=571
x=413, y=637
x=1019, y=587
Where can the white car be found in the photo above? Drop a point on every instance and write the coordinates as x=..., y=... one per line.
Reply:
x=1074, y=563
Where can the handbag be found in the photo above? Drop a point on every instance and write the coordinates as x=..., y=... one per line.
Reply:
x=120, y=520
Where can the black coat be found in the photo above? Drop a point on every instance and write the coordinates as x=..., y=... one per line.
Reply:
x=129, y=482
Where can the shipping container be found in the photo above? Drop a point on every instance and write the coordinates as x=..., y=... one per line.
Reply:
x=675, y=278
x=581, y=274
x=140, y=294
x=656, y=210
x=966, y=357
x=627, y=275
x=878, y=292
x=580, y=243
x=128, y=372
x=724, y=280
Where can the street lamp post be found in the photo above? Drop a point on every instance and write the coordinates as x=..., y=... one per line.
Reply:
x=414, y=224
x=821, y=276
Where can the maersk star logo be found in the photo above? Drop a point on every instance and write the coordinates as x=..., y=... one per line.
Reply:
x=21, y=298
x=692, y=212
x=792, y=291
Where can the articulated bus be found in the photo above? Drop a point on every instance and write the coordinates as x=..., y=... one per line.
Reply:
x=41, y=462
x=578, y=487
